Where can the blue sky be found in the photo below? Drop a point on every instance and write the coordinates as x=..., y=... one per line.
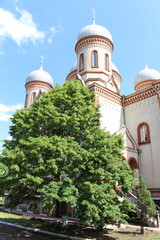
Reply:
x=30, y=28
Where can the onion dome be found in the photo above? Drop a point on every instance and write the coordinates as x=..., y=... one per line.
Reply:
x=114, y=68
x=41, y=76
x=73, y=68
x=145, y=77
x=117, y=77
x=94, y=30
x=72, y=73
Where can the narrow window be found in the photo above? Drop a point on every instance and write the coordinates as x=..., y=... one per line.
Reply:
x=81, y=62
x=143, y=133
x=26, y=101
x=33, y=96
x=94, y=59
x=107, y=62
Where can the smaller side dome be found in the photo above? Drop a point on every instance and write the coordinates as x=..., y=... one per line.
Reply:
x=145, y=77
x=72, y=73
x=116, y=76
x=115, y=68
x=40, y=75
x=73, y=68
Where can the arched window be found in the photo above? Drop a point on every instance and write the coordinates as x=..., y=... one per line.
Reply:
x=95, y=59
x=81, y=62
x=26, y=101
x=33, y=96
x=143, y=133
x=106, y=62
x=133, y=163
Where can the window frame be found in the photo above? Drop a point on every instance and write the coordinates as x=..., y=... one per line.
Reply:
x=94, y=59
x=26, y=101
x=81, y=62
x=140, y=140
x=33, y=96
x=106, y=62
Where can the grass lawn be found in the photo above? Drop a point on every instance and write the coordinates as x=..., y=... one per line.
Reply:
x=20, y=220
x=74, y=230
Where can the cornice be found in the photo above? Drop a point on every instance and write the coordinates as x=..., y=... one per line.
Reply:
x=94, y=40
x=143, y=94
x=95, y=72
x=128, y=100
x=38, y=83
x=128, y=149
x=106, y=93
x=143, y=85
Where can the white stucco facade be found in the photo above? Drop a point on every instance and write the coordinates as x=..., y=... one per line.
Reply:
x=147, y=111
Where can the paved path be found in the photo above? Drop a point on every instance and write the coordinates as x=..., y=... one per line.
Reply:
x=113, y=227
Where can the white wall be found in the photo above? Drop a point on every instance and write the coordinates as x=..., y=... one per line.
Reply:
x=111, y=113
x=147, y=111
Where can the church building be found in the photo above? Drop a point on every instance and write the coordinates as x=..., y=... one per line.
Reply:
x=135, y=116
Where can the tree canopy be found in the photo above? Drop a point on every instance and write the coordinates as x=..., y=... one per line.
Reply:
x=59, y=152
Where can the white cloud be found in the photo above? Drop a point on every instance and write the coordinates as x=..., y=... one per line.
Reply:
x=50, y=40
x=4, y=117
x=53, y=31
x=21, y=30
x=9, y=138
x=7, y=111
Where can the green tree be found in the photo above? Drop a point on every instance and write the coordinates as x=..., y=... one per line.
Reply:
x=145, y=204
x=60, y=153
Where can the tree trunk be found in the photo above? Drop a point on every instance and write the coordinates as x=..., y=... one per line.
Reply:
x=142, y=229
x=64, y=214
x=142, y=221
x=58, y=210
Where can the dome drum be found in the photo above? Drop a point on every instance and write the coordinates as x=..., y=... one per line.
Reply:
x=143, y=85
x=94, y=41
x=38, y=84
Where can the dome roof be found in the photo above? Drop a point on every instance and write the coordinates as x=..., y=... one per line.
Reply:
x=73, y=68
x=147, y=74
x=94, y=30
x=115, y=68
x=40, y=75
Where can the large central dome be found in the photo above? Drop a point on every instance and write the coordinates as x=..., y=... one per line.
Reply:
x=94, y=30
